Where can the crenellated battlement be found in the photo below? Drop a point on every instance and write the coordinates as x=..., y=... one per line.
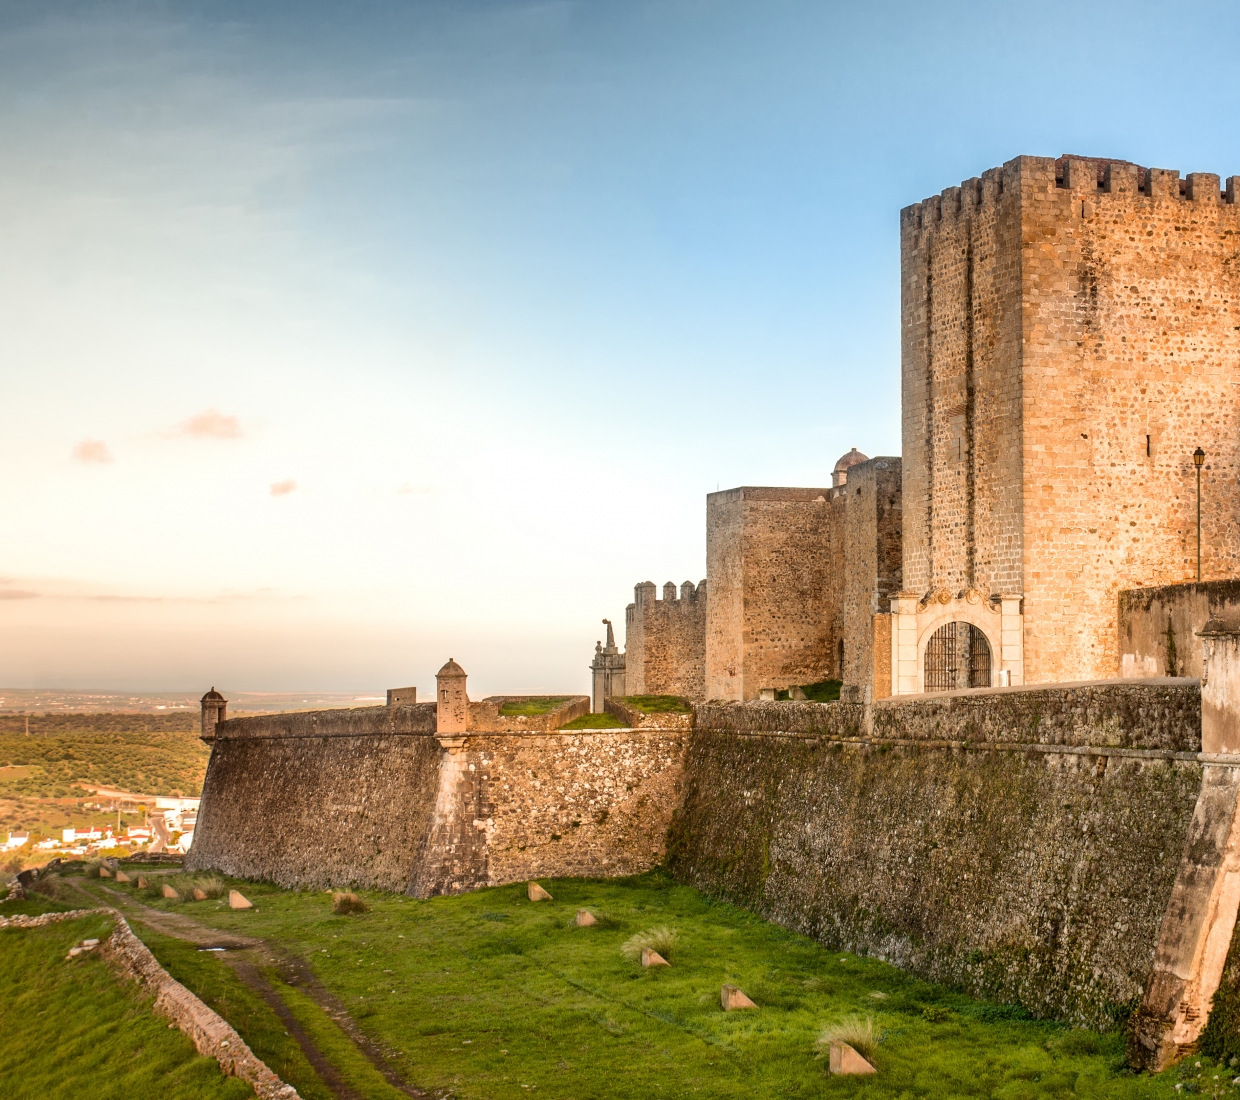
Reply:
x=1083, y=177
x=645, y=593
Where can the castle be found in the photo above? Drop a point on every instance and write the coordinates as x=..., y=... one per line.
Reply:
x=1070, y=338
x=1030, y=785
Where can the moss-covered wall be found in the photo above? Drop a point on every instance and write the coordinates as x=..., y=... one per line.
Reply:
x=1026, y=872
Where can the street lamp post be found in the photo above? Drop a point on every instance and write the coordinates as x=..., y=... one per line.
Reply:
x=1199, y=456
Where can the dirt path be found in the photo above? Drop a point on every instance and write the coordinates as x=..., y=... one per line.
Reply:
x=245, y=955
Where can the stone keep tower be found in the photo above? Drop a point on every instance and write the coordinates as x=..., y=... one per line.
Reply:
x=451, y=702
x=1070, y=335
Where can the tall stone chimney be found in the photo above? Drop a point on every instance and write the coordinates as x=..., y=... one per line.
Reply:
x=451, y=702
x=214, y=709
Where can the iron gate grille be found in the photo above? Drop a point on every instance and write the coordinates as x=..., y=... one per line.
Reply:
x=957, y=656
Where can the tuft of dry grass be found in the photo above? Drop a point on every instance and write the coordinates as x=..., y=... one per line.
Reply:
x=346, y=903
x=661, y=939
x=856, y=1032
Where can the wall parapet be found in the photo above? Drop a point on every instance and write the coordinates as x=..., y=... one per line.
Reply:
x=416, y=718
x=1155, y=713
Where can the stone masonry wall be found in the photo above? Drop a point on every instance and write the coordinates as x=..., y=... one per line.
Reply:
x=300, y=799
x=873, y=566
x=1069, y=330
x=372, y=797
x=773, y=615
x=1158, y=626
x=1023, y=843
x=665, y=641
x=553, y=805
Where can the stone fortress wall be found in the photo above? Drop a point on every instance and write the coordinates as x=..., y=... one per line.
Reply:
x=1067, y=343
x=665, y=641
x=382, y=797
x=1021, y=842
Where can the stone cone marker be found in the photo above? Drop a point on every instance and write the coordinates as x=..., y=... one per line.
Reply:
x=846, y=1060
x=537, y=893
x=732, y=999
x=122, y=877
x=199, y=895
x=104, y=873
x=170, y=893
x=585, y=918
x=237, y=901
x=653, y=958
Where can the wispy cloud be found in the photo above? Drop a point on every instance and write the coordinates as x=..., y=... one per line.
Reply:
x=211, y=424
x=92, y=450
x=283, y=488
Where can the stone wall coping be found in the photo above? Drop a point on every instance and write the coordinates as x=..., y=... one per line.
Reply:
x=1062, y=685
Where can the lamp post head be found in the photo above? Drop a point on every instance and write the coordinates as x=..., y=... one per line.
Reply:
x=1199, y=456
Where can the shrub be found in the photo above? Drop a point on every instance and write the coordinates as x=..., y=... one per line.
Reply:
x=52, y=886
x=211, y=885
x=661, y=940
x=856, y=1032
x=344, y=904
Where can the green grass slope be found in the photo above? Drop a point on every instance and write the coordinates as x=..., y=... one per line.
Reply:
x=75, y=1029
x=492, y=997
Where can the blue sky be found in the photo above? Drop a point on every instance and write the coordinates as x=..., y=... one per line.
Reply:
x=338, y=339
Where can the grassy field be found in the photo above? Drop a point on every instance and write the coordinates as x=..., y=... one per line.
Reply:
x=491, y=996
x=75, y=1029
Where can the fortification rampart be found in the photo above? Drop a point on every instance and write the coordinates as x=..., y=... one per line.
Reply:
x=1023, y=843
x=374, y=797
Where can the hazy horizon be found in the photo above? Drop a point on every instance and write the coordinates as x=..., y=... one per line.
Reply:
x=341, y=340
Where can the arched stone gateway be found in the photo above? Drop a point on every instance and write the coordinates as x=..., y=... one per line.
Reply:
x=995, y=621
x=957, y=656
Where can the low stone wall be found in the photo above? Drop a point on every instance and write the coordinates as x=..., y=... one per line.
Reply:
x=212, y=1036
x=1020, y=842
x=639, y=719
